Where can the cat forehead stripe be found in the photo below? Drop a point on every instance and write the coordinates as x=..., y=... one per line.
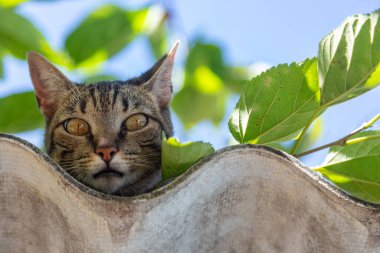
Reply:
x=115, y=94
x=125, y=103
x=82, y=105
x=92, y=95
x=103, y=94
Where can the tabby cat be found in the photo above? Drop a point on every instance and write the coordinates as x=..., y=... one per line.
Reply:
x=106, y=134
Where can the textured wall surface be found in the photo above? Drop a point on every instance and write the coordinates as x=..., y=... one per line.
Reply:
x=240, y=199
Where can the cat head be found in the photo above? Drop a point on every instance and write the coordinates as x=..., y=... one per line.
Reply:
x=106, y=134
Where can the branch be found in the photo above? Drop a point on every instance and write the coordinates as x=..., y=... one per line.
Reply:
x=345, y=140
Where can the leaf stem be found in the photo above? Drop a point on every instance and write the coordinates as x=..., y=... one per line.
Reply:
x=364, y=138
x=304, y=130
x=345, y=140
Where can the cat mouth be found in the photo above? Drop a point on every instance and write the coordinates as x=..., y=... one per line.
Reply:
x=108, y=172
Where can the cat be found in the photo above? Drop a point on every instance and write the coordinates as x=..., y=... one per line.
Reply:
x=106, y=134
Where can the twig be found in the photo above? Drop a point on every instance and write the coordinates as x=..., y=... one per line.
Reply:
x=345, y=140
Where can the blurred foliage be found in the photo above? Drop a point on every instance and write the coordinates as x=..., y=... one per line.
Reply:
x=19, y=113
x=104, y=33
x=205, y=86
x=10, y=3
x=107, y=30
x=18, y=35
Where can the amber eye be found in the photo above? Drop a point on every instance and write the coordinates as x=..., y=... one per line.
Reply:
x=76, y=126
x=136, y=122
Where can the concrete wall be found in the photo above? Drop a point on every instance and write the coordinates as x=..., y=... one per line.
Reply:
x=241, y=199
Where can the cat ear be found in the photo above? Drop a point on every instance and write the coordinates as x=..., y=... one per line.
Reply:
x=160, y=82
x=49, y=83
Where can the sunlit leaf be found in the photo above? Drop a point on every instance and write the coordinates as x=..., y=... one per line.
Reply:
x=18, y=35
x=104, y=33
x=19, y=113
x=356, y=168
x=348, y=59
x=10, y=3
x=178, y=157
x=276, y=104
x=206, y=81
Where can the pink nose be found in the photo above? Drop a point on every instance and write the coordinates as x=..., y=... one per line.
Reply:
x=106, y=153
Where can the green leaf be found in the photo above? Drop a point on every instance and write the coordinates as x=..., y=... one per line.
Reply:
x=18, y=35
x=178, y=157
x=276, y=104
x=19, y=113
x=10, y=3
x=104, y=33
x=356, y=168
x=348, y=59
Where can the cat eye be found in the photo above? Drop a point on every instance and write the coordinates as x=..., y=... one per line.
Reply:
x=136, y=122
x=76, y=127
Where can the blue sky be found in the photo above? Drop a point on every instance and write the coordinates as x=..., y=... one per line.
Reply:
x=250, y=32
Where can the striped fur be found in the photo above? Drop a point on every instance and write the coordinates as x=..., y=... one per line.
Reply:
x=105, y=106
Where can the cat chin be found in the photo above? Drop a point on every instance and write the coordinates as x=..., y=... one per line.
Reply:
x=109, y=184
x=128, y=185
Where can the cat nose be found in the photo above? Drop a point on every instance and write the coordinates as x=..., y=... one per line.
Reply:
x=106, y=153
